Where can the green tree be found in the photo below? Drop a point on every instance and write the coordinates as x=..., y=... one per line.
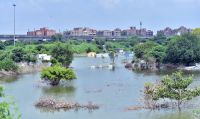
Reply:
x=100, y=42
x=196, y=31
x=112, y=56
x=57, y=37
x=56, y=73
x=158, y=52
x=184, y=49
x=174, y=87
x=41, y=49
x=133, y=41
x=160, y=38
x=8, y=65
x=18, y=54
x=63, y=54
x=30, y=58
x=142, y=49
x=2, y=46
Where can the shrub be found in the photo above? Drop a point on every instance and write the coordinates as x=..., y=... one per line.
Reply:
x=56, y=73
x=8, y=65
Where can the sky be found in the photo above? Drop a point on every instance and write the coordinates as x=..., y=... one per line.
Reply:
x=98, y=14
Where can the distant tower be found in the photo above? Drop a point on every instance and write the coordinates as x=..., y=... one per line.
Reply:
x=140, y=28
x=140, y=25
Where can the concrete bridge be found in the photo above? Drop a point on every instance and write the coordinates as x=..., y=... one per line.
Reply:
x=24, y=37
x=41, y=38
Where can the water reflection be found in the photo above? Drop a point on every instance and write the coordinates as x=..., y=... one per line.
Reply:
x=58, y=90
x=173, y=115
x=8, y=79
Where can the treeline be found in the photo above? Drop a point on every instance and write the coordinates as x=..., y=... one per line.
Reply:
x=26, y=51
x=178, y=50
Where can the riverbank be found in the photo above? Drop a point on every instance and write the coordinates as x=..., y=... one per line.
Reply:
x=24, y=68
x=31, y=68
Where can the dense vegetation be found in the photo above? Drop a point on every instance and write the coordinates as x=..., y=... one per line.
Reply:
x=63, y=54
x=178, y=50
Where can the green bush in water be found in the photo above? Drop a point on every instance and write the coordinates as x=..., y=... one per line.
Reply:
x=56, y=73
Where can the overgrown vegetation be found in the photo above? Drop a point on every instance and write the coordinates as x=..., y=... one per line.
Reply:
x=177, y=50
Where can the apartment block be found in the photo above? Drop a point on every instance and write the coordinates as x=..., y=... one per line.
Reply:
x=42, y=32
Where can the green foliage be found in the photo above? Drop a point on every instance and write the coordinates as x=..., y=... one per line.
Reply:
x=112, y=46
x=142, y=49
x=174, y=87
x=112, y=56
x=40, y=48
x=8, y=65
x=8, y=110
x=4, y=111
x=18, y=54
x=160, y=38
x=158, y=52
x=100, y=42
x=57, y=37
x=196, y=31
x=183, y=49
x=56, y=73
x=2, y=46
x=83, y=47
x=54, y=62
x=132, y=41
x=63, y=54
x=30, y=58
x=4, y=55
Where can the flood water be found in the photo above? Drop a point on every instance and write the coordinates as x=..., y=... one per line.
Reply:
x=114, y=90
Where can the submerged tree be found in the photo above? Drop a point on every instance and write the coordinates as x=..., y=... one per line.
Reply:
x=56, y=73
x=112, y=56
x=174, y=87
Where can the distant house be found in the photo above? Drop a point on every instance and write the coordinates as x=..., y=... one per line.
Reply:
x=43, y=57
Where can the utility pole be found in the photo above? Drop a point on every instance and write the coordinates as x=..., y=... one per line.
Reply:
x=14, y=5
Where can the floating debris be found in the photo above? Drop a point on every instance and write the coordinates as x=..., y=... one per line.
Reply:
x=51, y=103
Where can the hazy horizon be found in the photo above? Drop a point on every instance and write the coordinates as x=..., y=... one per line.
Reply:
x=98, y=14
